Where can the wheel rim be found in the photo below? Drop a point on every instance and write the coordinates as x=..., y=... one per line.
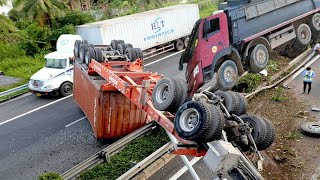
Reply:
x=229, y=74
x=67, y=89
x=189, y=120
x=261, y=56
x=314, y=127
x=162, y=93
x=305, y=35
x=316, y=22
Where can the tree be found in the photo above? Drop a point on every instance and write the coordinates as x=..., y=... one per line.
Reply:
x=3, y=2
x=41, y=11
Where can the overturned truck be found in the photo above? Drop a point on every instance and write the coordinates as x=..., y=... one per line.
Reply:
x=118, y=96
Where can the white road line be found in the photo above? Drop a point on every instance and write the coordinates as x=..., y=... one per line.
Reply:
x=76, y=121
x=41, y=107
x=184, y=169
x=163, y=58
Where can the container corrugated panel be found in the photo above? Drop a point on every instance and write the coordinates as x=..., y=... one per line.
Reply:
x=110, y=113
x=144, y=30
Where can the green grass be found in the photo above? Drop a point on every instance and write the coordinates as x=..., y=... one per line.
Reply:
x=135, y=151
x=279, y=95
x=293, y=135
x=14, y=95
x=50, y=176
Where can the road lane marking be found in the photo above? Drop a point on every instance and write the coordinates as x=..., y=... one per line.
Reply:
x=41, y=107
x=75, y=121
x=184, y=169
x=163, y=58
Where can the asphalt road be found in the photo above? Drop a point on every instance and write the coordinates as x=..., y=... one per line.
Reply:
x=44, y=140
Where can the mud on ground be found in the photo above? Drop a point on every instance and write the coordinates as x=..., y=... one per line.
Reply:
x=292, y=155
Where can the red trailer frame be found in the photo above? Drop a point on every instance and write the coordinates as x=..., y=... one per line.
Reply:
x=129, y=79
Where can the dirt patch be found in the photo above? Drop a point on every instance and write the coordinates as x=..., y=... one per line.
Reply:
x=293, y=155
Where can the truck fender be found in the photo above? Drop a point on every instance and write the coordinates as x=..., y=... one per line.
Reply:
x=259, y=40
x=231, y=53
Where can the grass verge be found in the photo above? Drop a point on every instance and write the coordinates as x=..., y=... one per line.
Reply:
x=134, y=152
x=13, y=95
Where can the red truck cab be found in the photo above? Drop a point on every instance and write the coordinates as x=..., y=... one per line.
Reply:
x=208, y=43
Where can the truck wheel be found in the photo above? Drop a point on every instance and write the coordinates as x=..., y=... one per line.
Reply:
x=66, y=89
x=311, y=128
x=218, y=122
x=183, y=90
x=270, y=135
x=89, y=55
x=303, y=33
x=227, y=75
x=82, y=53
x=131, y=54
x=98, y=54
x=258, y=127
x=114, y=44
x=242, y=104
x=121, y=48
x=179, y=45
x=85, y=42
x=166, y=95
x=139, y=53
x=229, y=100
x=91, y=45
x=186, y=41
x=314, y=24
x=77, y=44
x=193, y=121
x=121, y=42
x=259, y=58
x=128, y=45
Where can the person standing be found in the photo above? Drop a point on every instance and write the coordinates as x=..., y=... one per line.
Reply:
x=308, y=76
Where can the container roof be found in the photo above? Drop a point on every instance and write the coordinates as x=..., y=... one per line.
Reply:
x=136, y=16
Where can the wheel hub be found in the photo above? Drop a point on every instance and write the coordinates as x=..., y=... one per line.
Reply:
x=315, y=127
x=189, y=119
x=261, y=56
x=163, y=93
x=229, y=74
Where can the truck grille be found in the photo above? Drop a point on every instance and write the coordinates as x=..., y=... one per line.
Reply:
x=36, y=83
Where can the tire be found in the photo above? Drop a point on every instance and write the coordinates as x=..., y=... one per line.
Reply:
x=89, y=55
x=77, y=44
x=85, y=42
x=229, y=100
x=131, y=54
x=311, y=128
x=91, y=45
x=314, y=24
x=179, y=45
x=270, y=135
x=139, y=53
x=193, y=121
x=128, y=45
x=186, y=41
x=259, y=129
x=121, y=48
x=303, y=33
x=114, y=44
x=227, y=75
x=242, y=105
x=121, y=42
x=166, y=95
x=183, y=90
x=82, y=53
x=66, y=89
x=218, y=123
x=98, y=54
x=259, y=58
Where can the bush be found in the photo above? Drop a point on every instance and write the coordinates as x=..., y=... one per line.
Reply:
x=278, y=95
x=50, y=176
x=252, y=80
x=10, y=51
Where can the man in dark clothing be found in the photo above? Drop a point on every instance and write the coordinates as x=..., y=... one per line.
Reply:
x=308, y=76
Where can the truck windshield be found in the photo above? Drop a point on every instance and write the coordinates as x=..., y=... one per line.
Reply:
x=56, y=63
x=187, y=55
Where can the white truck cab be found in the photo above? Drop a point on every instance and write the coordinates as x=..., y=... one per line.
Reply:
x=56, y=78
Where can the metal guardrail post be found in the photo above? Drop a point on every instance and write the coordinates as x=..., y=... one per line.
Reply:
x=13, y=90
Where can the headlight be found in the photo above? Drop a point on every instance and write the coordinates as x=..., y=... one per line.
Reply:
x=195, y=71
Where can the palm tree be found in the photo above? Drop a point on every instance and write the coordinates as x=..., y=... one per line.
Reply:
x=41, y=10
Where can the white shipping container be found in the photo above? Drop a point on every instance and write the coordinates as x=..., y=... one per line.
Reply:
x=144, y=30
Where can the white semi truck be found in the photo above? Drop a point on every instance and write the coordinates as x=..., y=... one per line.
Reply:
x=56, y=78
x=154, y=31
